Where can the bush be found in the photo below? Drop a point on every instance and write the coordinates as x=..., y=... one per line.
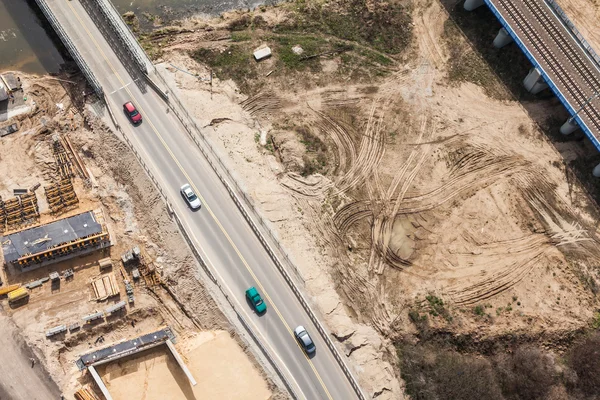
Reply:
x=585, y=361
x=527, y=374
x=442, y=374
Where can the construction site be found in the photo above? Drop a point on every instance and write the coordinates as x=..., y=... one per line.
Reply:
x=87, y=281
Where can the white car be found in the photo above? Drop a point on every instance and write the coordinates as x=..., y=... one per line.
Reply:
x=305, y=340
x=190, y=197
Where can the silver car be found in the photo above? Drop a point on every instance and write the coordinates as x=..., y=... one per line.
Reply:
x=190, y=197
x=304, y=340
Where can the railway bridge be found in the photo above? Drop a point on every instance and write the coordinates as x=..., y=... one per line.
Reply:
x=562, y=59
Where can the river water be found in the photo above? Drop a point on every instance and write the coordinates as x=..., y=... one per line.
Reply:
x=26, y=46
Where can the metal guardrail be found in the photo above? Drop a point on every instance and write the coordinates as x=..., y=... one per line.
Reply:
x=71, y=47
x=197, y=254
x=547, y=78
x=116, y=22
x=563, y=16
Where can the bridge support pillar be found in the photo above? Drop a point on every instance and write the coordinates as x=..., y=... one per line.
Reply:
x=569, y=127
x=534, y=82
x=502, y=38
x=470, y=5
x=596, y=171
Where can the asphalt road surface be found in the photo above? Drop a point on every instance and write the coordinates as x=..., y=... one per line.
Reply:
x=218, y=228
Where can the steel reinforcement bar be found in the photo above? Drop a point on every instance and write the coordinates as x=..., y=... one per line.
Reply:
x=89, y=75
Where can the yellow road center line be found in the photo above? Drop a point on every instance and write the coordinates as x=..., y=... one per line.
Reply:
x=241, y=257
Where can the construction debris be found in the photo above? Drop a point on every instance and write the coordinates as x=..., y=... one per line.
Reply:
x=104, y=287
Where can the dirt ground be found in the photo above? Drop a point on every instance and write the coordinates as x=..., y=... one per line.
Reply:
x=431, y=197
x=213, y=358
x=135, y=215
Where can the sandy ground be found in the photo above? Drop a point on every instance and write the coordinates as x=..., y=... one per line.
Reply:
x=132, y=210
x=434, y=189
x=213, y=360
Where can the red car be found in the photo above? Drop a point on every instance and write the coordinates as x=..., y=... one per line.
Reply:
x=132, y=113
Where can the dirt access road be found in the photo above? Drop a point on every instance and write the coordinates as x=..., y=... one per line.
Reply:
x=19, y=380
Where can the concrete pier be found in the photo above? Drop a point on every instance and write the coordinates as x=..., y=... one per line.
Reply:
x=569, y=127
x=533, y=82
x=596, y=171
x=502, y=38
x=470, y=5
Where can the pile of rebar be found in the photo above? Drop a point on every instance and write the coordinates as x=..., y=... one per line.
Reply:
x=61, y=196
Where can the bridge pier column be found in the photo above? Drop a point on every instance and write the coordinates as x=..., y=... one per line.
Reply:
x=569, y=127
x=534, y=82
x=502, y=38
x=596, y=171
x=470, y=5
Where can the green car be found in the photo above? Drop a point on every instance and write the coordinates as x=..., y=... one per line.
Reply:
x=257, y=301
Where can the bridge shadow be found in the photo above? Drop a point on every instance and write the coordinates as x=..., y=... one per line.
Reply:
x=510, y=66
x=93, y=10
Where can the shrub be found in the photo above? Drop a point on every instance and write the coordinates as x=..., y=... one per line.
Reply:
x=430, y=373
x=527, y=374
x=585, y=361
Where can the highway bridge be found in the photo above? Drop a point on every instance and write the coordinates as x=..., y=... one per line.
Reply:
x=562, y=60
x=226, y=236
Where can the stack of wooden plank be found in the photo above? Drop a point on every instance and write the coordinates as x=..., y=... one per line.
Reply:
x=105, y=286
x=85, y=394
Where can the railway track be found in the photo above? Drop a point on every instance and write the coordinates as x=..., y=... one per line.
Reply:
x=579, y=81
